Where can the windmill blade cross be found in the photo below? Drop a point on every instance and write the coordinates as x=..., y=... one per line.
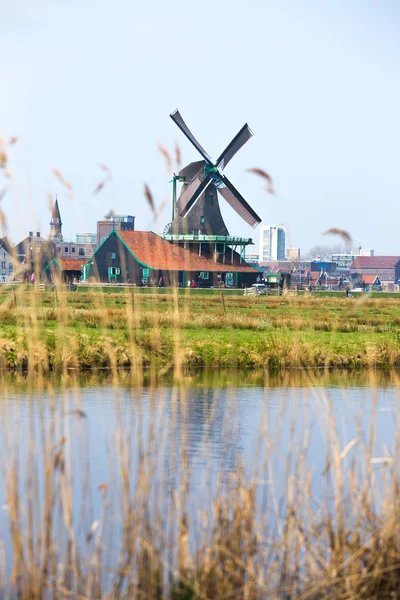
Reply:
x=237, y=202
x=238, y=141
x=192, y=192
x=177, y=118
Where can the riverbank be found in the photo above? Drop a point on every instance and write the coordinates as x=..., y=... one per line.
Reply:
x=56, y=331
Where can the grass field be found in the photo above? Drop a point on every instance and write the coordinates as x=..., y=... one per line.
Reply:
x=106, y=327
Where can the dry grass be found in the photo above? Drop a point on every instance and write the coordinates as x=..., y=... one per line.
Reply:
x=258, y=532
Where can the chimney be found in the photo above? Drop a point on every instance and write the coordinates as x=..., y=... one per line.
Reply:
x=38, y=234
x=31, y=234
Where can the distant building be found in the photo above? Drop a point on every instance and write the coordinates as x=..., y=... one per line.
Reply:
x=36, y=251
x=56, y=224
x=86, y=238
x=285, y=265
x=366, y=252
x=319, y=266
x=253, y=260
x=386, y=268
x=83, y=248
x=32, y=250
x=6, y=261
x=252, y=257
x=114, y=223
x=272, y=242
x=293, y=254
x=344, y=260
x=72, y=250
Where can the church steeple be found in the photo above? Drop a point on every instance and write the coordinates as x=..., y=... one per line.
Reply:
x=56, y=224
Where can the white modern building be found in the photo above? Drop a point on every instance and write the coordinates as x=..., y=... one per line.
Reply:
x=272, y=242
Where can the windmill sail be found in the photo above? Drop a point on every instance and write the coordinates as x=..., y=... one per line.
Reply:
x=238, y=141
x=192, y=192
x=177, y=118
x=197, y=209
x=237, y=202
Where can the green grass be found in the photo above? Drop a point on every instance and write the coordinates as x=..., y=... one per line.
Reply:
x=86, y=329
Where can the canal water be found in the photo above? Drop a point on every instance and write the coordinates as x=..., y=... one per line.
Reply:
x=205, y=429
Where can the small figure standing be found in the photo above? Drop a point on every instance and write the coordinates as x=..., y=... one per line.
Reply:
x=33, y=279
x=26, y=277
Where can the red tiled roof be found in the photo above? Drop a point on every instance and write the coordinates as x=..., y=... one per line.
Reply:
x=157, y=253
x=375, y=262
x=70, y=264
x=369, y=278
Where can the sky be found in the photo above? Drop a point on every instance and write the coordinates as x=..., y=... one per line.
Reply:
x=90, y=83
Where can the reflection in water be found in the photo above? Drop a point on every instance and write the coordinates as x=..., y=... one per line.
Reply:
x=297, y=378
x=189, y=436
x=214, y=420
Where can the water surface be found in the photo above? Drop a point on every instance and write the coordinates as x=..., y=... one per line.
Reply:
x=204, y=429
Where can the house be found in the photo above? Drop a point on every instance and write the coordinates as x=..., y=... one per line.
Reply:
x=33, y=250
x=6, y=261
x=386, y=268
x=326, y=281
x=371, y=281
x=64, y=270
x=142, y=258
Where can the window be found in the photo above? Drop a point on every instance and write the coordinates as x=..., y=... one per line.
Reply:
x=73, y=249
x=59, y=249
x=211, y=198
x=204, y=275
x=66, y=249
x=202, y=219
x=81, y=252
x=10, y=267
x=113, y=255
x=3, y=264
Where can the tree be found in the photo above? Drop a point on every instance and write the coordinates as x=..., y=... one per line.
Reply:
x=325, y=252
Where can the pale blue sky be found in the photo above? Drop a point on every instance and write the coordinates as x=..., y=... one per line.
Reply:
x=86, y=82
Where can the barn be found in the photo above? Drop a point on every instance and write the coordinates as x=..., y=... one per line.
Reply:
x=145, y=258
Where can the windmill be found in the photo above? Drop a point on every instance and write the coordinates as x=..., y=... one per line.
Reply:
x=197, y=209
